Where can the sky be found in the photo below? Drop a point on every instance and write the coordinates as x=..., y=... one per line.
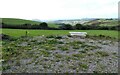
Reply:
x=58, y=9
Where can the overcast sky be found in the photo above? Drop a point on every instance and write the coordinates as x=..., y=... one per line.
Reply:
x=58, y=9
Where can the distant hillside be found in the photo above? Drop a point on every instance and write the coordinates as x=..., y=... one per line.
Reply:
x=15, y=21
x=72, y=21
x=90, y=21
x=103, y=22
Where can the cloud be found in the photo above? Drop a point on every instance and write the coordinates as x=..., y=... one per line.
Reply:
x=58, y=9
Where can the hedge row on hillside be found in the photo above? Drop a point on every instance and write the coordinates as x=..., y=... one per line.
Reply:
x=61, y=27
x=88, y=27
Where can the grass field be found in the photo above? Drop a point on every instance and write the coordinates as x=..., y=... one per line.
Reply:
x=103, y=22
x=20, y=32
x=13, y=21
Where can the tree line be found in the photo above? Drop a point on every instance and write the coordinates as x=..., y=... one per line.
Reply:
x=26, y=26
x=88, y=27
x=45, y=26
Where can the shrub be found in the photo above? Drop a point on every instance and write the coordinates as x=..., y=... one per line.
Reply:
x=60, y=42
x=43, y=25
x=83, y=66
x=58, y=37
x=45, y=53
x=66, y=27
x=53, y=41
x=83, y=51
x=78, y=55
x=64, y=48
x=76, y=47
x=4, y=37
x=78, y=26
x=102, y=53
x=50, y=36
x=5, y=67
x=75, y=43
x=69, y=35
x=53, y=48
x=101, y=35
x=58, y=56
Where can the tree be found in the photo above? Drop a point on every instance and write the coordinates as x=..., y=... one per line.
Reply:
x=27, y=26
x=43, y=25
x=66, y=27
x=78, y=26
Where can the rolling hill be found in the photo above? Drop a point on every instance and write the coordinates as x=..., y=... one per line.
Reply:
x=16, y=21
x=103, y=22
x=100, y=22
x=90, y=21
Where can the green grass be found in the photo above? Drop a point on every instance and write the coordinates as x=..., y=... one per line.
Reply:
x=53, y=25
x=15, y=21
x=21, y=32
x=102, y=53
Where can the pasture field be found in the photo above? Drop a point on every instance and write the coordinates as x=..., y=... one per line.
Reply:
x=21, y=32
x=14, y=21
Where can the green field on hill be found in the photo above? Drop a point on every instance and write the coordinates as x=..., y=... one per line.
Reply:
x=21, y=32
x=13, y=21
x=103, y=22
